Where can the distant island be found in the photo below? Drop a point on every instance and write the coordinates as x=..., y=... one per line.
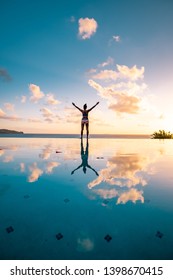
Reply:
x=7, y=131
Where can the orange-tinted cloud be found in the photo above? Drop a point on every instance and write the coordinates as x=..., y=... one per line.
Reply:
x=37, y=94
x=106, y=75
x=122, y=171
x=120, y=102
x=131, y=195
x=87, y=27
x=4, y=116
x=35, y=173
x=125, y=104
x=47, y=113
x=133, y=73
x=51, y=165
x=51, y=100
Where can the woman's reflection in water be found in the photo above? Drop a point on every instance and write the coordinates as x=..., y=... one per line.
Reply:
x=84, y=158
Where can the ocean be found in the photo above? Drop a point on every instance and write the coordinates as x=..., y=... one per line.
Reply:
x=103, y=199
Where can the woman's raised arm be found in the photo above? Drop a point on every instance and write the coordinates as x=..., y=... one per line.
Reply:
x=77, y=107
x=93, y=106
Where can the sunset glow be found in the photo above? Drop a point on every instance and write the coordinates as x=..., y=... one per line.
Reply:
x=53, y=54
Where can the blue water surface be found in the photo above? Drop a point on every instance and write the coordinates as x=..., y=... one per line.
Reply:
x=61, y=198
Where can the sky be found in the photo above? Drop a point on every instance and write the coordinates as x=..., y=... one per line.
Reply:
x=117, y=53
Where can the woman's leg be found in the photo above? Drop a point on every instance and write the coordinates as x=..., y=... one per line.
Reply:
x=87, y=129
x=82, y=127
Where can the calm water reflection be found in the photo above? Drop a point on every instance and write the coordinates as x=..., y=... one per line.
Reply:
x=60, y=198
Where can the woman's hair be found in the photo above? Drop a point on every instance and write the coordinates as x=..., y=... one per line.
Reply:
x=85, y=106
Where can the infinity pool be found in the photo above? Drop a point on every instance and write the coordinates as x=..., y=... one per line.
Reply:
x=67, y=199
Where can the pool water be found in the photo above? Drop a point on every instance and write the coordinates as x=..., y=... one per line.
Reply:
x=67, y=199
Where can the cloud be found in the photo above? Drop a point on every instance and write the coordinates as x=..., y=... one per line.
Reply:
x=51, y=165
x=87, y=27
x=51, y=100
x=130, y=86
x=109, y=61
x=4, y=75
x=122, y=171
x=126, y=174
x=125, y=104
x=35, y=173
x=116, y=38
x=45, y=153
x=47, y=113
x=4, y=116
x=106, y=194
x=23, y=99
x=131, y=73
x=9, y=106
x=106, y=75
x=124, y=72
x=91, y=71
x=120, y=102
x=37, y=94
x=131, y=195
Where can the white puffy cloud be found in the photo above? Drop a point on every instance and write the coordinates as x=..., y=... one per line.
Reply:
x=123, y=72
x=122, y=171
x=37, y=94
x=133, y=73
x=87, y=27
